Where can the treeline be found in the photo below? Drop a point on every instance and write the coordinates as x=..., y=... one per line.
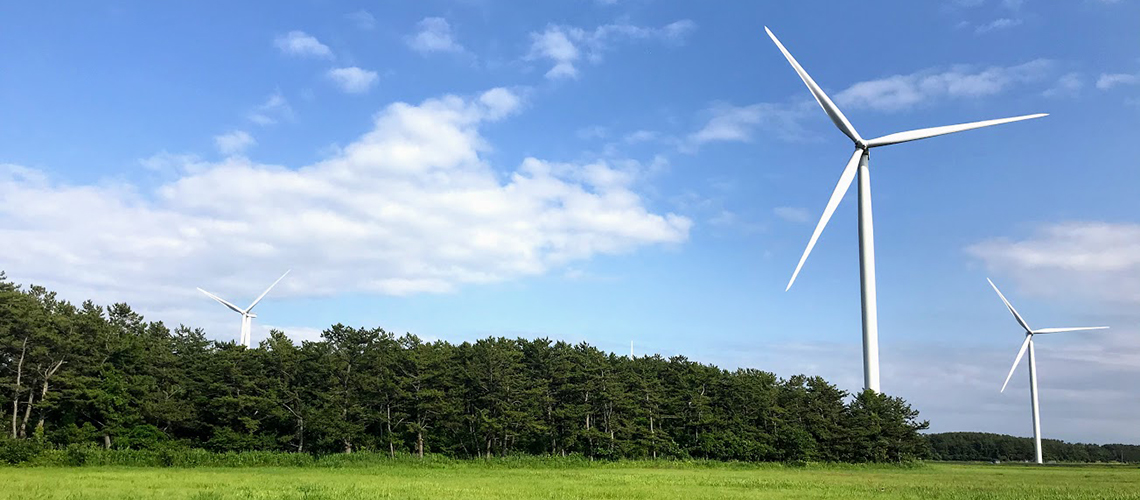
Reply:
x=77, y=375
x=982, y=446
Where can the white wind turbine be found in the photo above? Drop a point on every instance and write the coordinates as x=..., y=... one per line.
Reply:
x=1028, y=344
x=247, y=313
x=859, y=164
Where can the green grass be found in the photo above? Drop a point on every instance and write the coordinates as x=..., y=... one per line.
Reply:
x=639, y=480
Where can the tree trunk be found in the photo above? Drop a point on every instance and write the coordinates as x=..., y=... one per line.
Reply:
x=391, y=443
x=301, y=438
x=106, y=441
x=43, y=394
x=16, y=394
x=27, y=414
x=420, y=442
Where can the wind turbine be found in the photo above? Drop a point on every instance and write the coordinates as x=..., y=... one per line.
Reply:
x=859, y=164
x=1028, y=343
x=247, y=313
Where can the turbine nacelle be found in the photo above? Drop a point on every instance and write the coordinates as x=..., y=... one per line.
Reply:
x=1029, y=333
x=247, y=314
x=861, y=145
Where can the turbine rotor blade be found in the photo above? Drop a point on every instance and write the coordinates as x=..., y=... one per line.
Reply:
x=1075, y=329
x=923, y=133
x=222, y=301
x=824, y=102
x=845, y=179
x=263, y=294
x=1024, y=345
x=1011, y=309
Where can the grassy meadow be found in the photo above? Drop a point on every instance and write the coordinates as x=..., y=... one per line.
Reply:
x=647, y=480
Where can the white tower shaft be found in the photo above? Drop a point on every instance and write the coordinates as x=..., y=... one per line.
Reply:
x=867, y=279
x=1036, y=410
x=246, y=321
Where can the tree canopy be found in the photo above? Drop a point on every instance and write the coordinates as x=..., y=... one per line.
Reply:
x=92, y=374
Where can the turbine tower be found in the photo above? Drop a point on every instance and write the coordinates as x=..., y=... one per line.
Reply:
x=1028, y=344
x=859, y=164
x=247, y=313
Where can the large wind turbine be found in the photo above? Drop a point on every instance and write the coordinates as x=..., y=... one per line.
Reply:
x=859, y=164
x=1028, y=344
x=247, y=313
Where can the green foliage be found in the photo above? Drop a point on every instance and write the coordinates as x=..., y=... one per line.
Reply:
x=83, y=378
x=15, y=451
x=981, y=446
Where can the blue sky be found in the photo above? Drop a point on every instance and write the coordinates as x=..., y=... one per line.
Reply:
x=607, y=172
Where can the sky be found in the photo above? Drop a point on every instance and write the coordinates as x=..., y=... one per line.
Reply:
x=610, y=172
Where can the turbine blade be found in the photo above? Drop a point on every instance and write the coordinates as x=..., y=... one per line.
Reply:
x=1011, y=309
x=262, y=296
x=923, y=133
x=1024, y=345
x=223, y=301
x=836, y=196
x=824, y=102
x=1076, y=329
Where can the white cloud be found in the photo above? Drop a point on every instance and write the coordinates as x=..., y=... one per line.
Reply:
x=352, y=79
x=1069, y=84
x=565, y=45
x=434, y=35
x=1099, y=261
x=299, y=43
x=500, y=102
x=793, y=214
x=592, y=132
x=362, y=19
x=234, y=142
x=900, y=92
x=408, y=207
x=274, y=109
x=1110, y=80
x=997, y=24
x=641, y=136
x=728, y=123
x=555, y=44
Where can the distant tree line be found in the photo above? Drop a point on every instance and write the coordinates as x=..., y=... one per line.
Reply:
x=102, y=376
x=983, y=446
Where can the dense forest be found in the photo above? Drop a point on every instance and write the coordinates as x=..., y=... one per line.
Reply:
x=88, y=375
x=983, y=446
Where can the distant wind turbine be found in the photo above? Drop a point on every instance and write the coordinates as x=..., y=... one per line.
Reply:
x=247, y=313
x=859, y=163
x=1028, y=344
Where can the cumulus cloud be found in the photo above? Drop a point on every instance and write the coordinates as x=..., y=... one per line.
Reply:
x=352, y=79
x=1068, y=85
x=234, y=142
x=1099, y=261
x=1110, y=80
x=299, y=43
x=901, y=92
x=728, y=123
x=565, y=46
x=997, y=24
x=434, y=35
x=408, y=207
x=274, y=109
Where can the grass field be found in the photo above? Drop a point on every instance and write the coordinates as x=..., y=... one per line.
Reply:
x=622, y=480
